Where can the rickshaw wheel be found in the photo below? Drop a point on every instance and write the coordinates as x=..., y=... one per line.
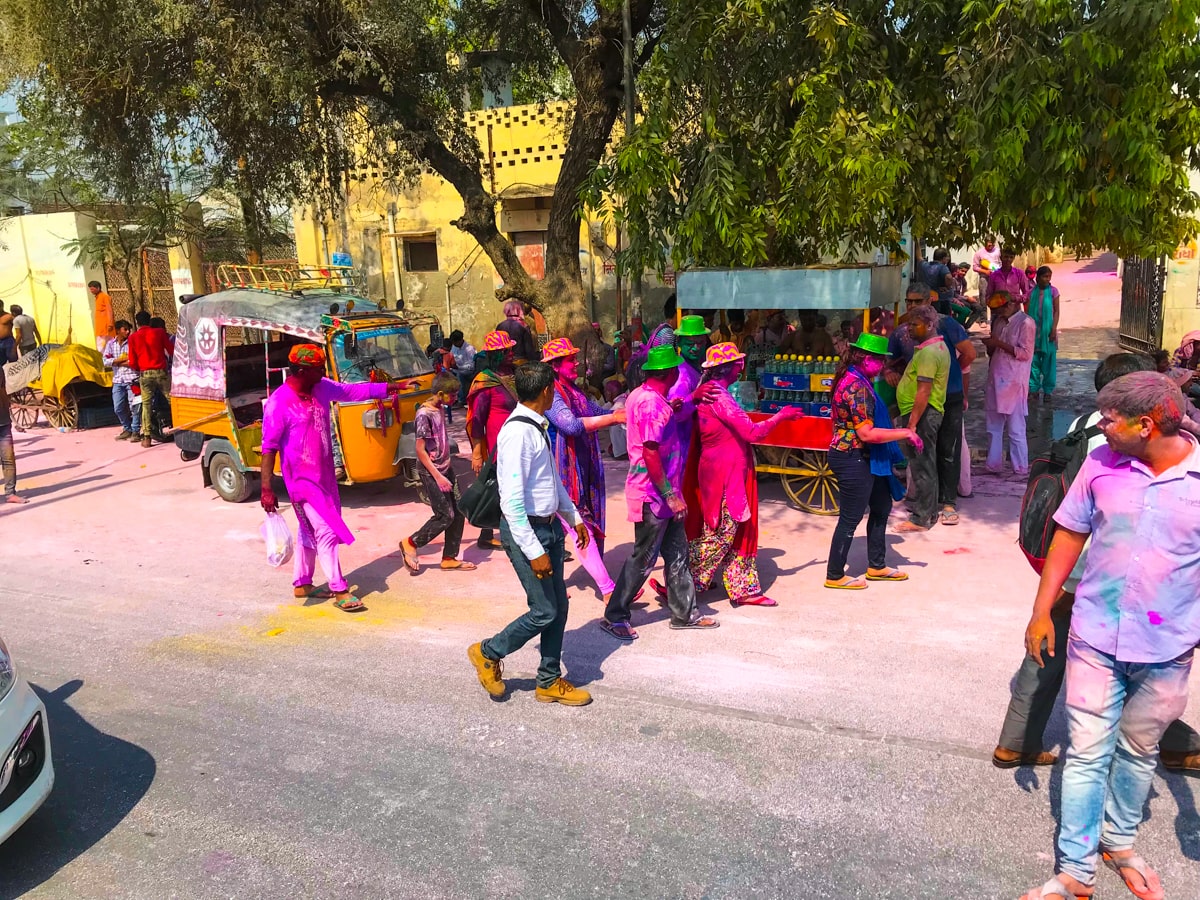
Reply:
x=63, y=412
x=230, y=482
x=24, y=408
x=811, y=484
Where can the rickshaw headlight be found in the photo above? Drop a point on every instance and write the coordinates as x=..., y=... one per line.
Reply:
x=8, y=671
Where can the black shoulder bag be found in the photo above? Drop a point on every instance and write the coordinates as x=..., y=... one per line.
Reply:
x=480, y=503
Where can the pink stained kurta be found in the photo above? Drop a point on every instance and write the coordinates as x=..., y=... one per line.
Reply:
x=1008, y=375
x=727, y=458
x=299, y=429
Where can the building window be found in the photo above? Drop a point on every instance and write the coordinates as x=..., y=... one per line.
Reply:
x=420, y=254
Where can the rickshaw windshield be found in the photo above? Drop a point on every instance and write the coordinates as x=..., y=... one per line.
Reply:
x=393, y=350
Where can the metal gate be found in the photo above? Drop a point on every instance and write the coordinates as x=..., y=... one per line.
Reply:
x=1142, y=285
x=158, y=287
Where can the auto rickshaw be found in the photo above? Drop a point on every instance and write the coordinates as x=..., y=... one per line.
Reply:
x=231, y=351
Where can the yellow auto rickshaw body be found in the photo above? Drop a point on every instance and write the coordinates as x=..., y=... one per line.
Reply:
x=232, y=351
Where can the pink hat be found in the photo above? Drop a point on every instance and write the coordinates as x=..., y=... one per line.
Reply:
x=720, y=354
x=558, y=348
x=498, y=340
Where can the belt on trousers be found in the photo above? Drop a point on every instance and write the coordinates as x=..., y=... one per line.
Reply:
x=540, y=520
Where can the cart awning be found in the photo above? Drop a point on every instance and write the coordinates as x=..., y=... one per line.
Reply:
x=816, y=287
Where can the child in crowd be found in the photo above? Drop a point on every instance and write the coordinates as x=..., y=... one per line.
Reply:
x=437, y=479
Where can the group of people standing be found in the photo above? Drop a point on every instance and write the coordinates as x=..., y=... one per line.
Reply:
x=140, y=361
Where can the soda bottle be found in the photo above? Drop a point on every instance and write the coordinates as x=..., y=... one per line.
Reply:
x=810, y=365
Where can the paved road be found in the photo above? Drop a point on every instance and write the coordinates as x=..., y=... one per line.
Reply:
x=214, y=739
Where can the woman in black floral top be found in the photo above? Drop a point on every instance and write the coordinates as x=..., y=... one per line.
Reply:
x=861, y=454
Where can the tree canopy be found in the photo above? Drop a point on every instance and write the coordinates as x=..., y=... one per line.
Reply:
x=780, y=132
x=289, y=97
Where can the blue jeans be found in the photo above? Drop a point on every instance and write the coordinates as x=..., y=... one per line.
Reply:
x=8, y=460
x=128, y=413
x=1116, y=715
x=547, y=599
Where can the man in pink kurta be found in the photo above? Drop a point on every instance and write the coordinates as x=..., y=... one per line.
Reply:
x=1006, y=398
x=296, y=428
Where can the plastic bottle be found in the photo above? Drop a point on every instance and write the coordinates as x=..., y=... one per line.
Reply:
x=809, y=365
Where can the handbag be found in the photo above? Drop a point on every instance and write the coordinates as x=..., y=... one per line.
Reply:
x=480, y=503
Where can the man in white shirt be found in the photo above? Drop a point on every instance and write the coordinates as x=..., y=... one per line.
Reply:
x=983, y=264
x=464, y=363
x=531, y=496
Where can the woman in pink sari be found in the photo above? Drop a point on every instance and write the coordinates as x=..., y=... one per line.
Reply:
x=723, y=518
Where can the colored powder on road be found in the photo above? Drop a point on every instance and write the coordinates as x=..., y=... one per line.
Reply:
x=1155, y=618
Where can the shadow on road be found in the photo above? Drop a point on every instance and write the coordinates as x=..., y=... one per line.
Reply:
x=99, y=778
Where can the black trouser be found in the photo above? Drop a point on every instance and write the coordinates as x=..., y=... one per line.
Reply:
x=446, y=516
x=858, y=492
x=949, y=451
x=547, y=598
x=924, y=499
x=650, y=536
x=1035, y=690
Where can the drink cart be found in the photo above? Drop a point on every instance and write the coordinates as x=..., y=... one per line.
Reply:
x=796, y=450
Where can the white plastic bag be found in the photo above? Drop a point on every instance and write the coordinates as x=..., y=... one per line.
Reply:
x=278, y=536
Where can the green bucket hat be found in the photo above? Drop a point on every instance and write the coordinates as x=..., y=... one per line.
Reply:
x=691, y=326
x=661, y=358
x=875, y=344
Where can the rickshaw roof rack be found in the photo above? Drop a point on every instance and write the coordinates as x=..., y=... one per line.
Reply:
x=291, y=278
x=825, y=287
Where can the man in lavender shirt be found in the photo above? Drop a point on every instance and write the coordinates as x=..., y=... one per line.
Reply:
x=1134, y=627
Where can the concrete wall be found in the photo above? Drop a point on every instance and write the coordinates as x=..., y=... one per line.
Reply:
x=37, y=274
x=523, y=147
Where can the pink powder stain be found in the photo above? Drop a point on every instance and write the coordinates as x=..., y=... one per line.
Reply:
x=1086, y=839
x=1155, y=618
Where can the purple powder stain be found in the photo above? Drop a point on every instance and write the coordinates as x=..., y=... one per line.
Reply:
x=1086, y=839
x=1155, y=618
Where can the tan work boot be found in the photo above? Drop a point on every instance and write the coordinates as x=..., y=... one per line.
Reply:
x=1180, y=761
x=488, y=670
x=147, y=443
x=563, y=692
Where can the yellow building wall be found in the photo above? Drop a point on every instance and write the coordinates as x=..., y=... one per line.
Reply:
x=1181, y=291
x=44, y=279
x=523, y=148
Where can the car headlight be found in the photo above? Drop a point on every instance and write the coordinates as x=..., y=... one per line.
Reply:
x=8, y=672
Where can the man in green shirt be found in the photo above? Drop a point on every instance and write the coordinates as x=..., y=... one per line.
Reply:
x=921, y=396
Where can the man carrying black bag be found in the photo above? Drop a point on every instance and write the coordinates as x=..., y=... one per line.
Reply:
x=531, y=496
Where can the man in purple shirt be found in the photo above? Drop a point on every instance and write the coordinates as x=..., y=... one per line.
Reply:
x=691, y=338
x=1134, y=627
x=1008, y=278
x=653, y=490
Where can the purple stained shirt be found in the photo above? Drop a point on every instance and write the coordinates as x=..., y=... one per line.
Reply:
x=430, y=426
x=684, y=387
x=1139, y=599
x=650, y=418
x=298, y=428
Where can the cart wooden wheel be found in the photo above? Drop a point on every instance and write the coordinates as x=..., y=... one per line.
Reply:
x=63, y=412
x=24, y=407
x=810, y=483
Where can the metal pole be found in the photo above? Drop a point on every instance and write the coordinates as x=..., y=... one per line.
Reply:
x=635, y=281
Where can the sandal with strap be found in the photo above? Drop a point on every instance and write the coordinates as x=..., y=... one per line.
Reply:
x=886, y=575
x=700, y=622
x=312, y=593
x=349, y=603
x=622, y=631
x=411, y=561
x=1053, y=888
x=1153, y=890
x=850, y=584
x=756, y=600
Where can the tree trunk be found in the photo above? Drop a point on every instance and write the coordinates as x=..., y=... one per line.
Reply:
x=251, y=226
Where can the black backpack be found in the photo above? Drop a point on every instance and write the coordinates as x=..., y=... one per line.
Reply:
x=480, y=503
x=1050, y=478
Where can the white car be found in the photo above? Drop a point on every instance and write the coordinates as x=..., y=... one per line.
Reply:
x=26, y=772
